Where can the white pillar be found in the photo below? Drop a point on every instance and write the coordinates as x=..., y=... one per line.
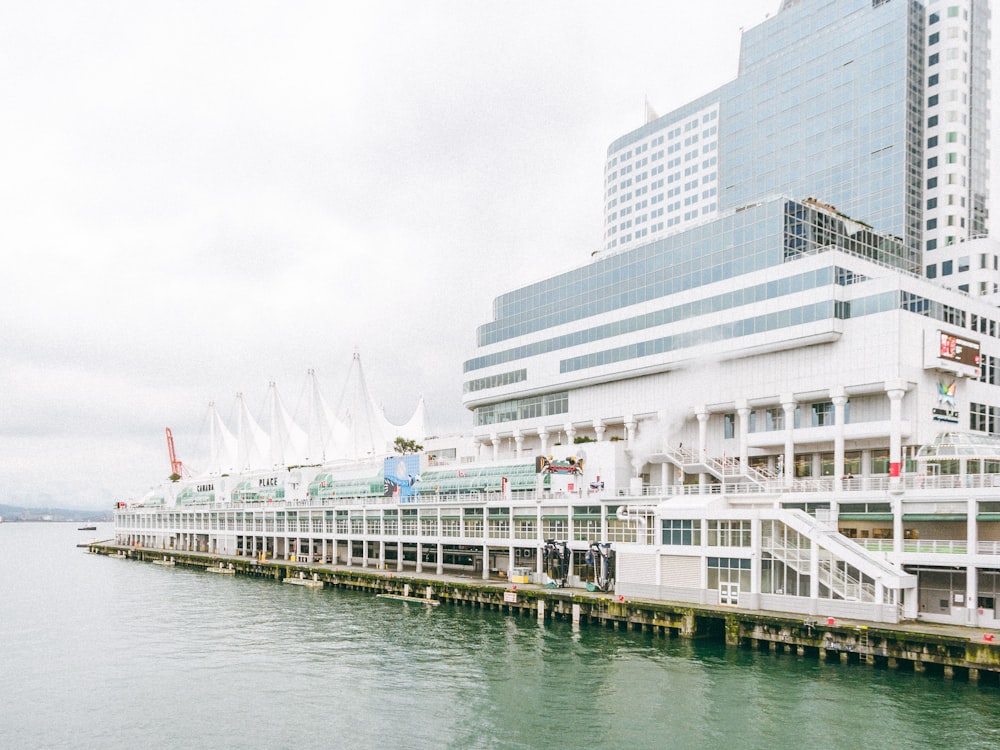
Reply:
x=495, y=442
x=895, y=391
x=788, y=407
x=702, y=414
x=971, y=571
x=570, y=432
x=543, y=437
x=629, y=428
x=599, y=429
x=743, y=410
x=518, y=442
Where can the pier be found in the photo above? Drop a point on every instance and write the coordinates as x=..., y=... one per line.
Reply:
x=951, y=652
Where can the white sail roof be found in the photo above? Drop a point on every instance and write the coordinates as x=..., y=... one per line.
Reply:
x=357, y=428
x=287, y=439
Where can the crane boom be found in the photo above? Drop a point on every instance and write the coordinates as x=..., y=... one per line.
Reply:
x=176, y=465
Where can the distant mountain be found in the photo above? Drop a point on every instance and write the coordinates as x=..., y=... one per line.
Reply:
x=18, y=513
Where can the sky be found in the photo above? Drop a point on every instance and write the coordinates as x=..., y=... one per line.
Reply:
x=200, y=198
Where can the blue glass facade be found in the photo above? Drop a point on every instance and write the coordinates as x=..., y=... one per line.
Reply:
x=828, y=104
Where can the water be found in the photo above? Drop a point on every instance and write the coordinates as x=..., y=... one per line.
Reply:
x=96, y=651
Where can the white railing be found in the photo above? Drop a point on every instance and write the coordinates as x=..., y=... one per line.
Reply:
x=929, y=546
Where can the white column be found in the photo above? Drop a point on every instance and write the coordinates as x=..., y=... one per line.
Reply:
x=440, y=559
x=486, y=562
x=629, y=428
x=420, y=557
x=518, y=441
x=495, y=442
x=895, y=391
x=788, y=407
x=839, y=398
x=543, y=437
x=971, y=571
x=702, y=414
x=743, y=410
x=599, y=429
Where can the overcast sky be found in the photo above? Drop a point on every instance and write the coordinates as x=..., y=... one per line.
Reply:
x=202, y=197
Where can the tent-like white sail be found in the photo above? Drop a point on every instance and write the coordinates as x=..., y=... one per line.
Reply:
x=287, y=440
x=222, y=448
x=252, y=443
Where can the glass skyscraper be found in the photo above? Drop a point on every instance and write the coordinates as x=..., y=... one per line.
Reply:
x=864, y=105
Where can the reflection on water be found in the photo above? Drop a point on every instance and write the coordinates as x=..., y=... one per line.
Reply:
x=121, y=653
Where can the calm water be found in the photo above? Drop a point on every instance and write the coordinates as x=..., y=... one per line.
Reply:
x=97, y=652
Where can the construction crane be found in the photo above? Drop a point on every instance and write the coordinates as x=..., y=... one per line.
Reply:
x=176, y=465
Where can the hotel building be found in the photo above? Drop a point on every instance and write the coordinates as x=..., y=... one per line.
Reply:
x=776, y=387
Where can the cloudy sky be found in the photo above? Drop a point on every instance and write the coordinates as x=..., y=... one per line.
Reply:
x=202, y=197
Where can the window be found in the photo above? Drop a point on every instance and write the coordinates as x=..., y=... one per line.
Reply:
x=946, y=268
x=932, y=183
x=932, y=223
x=934, y=38
x=932, y=100
x=932, y=203
x=932, y=141
x=683, y=532
x=933, y=80
x=822, y=414
x=729, y=533
x=932, y=271
x=933, y=59
x=729, y=426
x=774, y=419
x=932, y=245
x=932, y=121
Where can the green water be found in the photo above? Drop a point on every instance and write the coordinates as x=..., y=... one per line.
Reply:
x=115, y=653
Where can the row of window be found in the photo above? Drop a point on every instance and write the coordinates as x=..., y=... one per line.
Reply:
x=818, y=278
x=523, y=408
x=495, y=381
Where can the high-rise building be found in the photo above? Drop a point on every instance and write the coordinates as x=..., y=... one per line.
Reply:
x=878, y=108
x=795, y=308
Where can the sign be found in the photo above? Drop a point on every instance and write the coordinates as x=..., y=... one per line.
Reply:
x=947, y=407
x=955, y=348
x=510, y=597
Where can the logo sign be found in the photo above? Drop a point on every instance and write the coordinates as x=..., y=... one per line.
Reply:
x=946, y=409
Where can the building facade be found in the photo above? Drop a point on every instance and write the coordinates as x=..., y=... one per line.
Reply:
x=777, y=387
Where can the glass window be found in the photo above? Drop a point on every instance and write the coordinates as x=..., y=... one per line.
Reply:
x=822, y=414
x=683, y=532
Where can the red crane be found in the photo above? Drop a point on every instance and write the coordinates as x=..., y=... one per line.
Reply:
x=176, y=465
